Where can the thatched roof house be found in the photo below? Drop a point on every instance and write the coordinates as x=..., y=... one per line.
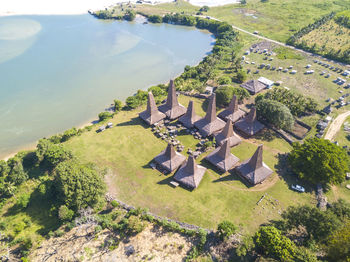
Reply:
x=227, y=134
x=249, y=125
x=254, y=170
x=190, y=117
x=222, y=158
x=172, y=109
x=190, y=174
x=253, y=86
x=232, y=112
x=210, y=123
x=151, y=115
x=169, y=159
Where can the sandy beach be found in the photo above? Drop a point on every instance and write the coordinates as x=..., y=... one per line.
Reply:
x=69, y=7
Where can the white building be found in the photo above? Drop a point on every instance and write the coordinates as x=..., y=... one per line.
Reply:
x=266, y=82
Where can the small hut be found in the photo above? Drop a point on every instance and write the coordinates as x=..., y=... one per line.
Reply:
x=172, y=109
x=210, y=123
x=249, y=125
x=190, y=117
x=222, y=158
x=190, y=174
x=253, y=86
x=232, y=113
x=254, y=170
x=151, y=115
x=169, y=159
x=227, y=134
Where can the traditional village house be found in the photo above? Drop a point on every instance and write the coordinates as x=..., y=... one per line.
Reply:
x=190, y=174
x=254, y=170
x=190, y=117
x=249, y=125
x=210, y=123
x=227, y=134
x=151, y=115
x=169, y=159
x=232, y=112
x=172, y=109
x=222, y=158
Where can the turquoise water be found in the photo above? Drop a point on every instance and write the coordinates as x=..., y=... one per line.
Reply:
x=60, y=71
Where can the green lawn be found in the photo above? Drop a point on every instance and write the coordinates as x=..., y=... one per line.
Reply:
x=276, y=19
x=343, y=137
x=128, y=148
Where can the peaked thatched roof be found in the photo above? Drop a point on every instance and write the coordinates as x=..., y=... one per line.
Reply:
x=210, y=123
x=172, y=108
x=151, y=115
x=249, y=125
x=190, y=174
x=227, y=134
x=222, y=158
x=232, y=113
x=254, y=170
x=190, y=117
x=169, y=159
x=253, y=86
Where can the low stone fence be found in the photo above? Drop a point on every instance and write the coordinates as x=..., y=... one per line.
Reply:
x=181, y=224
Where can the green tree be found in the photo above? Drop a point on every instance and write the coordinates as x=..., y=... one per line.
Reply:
x=275, y=113
x=241, y=76
x=272, y=243
x=338, y=248
x=341, y=209
x=16, y=175
x=65, y=214
x=56, y=154
x=223, y=95
x=241, y=93
x=79, y=185
x=318, y=224
x=226, y=229
x=224, y=80
x=129, y=15
x=319, y=161
x=118, y=105
x=155, y=19
x=204, y=8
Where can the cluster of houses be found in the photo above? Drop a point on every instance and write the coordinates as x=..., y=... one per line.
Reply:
x=188, y=172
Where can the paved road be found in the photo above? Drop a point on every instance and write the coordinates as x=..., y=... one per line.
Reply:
x=278, y=43
x=336, y=125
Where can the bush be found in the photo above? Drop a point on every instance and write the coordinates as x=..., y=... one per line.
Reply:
x=226, y=229
x=104, y=116
x=140, y=98
x=241, y=76
x=155, y=19
x=16, y=174
x=114, y=203
x=275, y=113
x=135, y=225
x=129, y=15
x=224, y=80
x=69, y=134
x=65, y=214
x=23, y=201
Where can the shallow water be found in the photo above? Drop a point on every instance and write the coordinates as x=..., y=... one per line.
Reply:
x=60, y=71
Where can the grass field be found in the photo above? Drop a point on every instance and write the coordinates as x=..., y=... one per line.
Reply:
x=342, y=137
x=128, y=148
x=276, y=19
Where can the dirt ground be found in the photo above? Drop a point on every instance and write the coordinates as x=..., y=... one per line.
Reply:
x=81, y=244
x=336, y=125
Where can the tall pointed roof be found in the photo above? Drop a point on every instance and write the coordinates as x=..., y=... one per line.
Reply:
x=227, y=134
x=254, y=170
x=210, y=123
x=151, y=115
x=232, y=112
x=190, y=117
x=253, y=86
x=222, y=158
x=172, y=108
x=249, y=125
x=211, y=110
x=169, y=159
x=190, y=174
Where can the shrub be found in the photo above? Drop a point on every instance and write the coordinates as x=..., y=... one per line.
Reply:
x=114, y=203
x=118, y=105
x=129, y=15
x=226, y=229
x=224, y=80
x=241, y=76
x=135, y=225
x=65, y=214
x=16, y=175
x=23, y=201
x=155, y=19
x=104, y=116
x=68, y=134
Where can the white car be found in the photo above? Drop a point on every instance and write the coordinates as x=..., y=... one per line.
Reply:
x=298, y=188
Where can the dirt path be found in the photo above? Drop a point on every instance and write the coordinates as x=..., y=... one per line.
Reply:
x=336, y=125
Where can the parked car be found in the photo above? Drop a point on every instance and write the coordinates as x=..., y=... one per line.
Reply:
x=298, y=188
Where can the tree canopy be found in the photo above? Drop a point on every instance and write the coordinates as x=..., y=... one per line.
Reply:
x=338, y=247
x=275, y=113
x=319, y=161
x=79, y=185
x=225, y=93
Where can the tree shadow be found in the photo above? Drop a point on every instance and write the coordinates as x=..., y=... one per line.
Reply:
x=134, y=122
x=266, y=135
x=205, y=163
